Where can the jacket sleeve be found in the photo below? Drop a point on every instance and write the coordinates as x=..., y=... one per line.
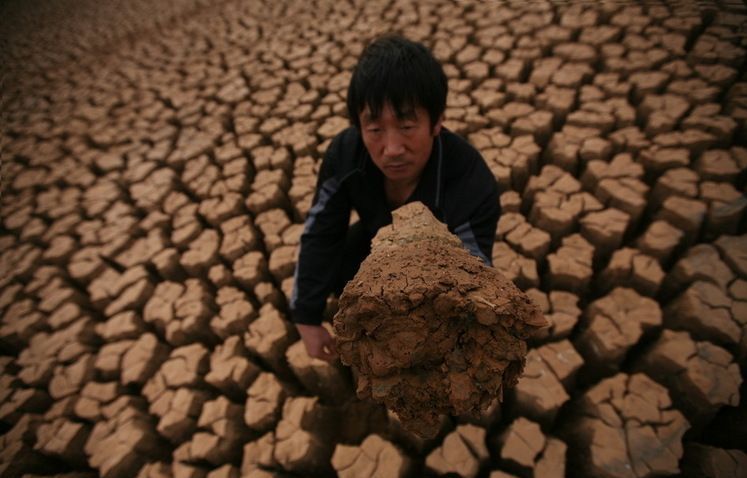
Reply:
x=321, y=242
x=475, y=209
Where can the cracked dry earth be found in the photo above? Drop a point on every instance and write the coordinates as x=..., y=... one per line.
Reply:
x=158, y=162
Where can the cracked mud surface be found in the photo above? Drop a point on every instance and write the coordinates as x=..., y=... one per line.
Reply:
x=159, y=160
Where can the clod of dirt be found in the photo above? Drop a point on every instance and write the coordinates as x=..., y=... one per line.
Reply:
x=428, y=328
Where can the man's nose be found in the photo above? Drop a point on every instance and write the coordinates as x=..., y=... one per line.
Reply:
x=393, y=145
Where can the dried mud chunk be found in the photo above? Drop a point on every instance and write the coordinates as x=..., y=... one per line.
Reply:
x=63, y=439
x=662, y=113
x=374, y=457
x=271, y=224
x=463, y=452
x=570, y=267
x=605, y=230
x=734, y=252
x=701, y=377
x=679, y=181
x=528, y=240
x=265, y=398
x=17, y=455
x=68, y=380
x=121, y=445
x=539, y=394
x=561, y=313
x=618, y=184
x=23, y=400
x=660, y=241
x=230, y=371
x=259, y=456
x=701, y=262
x=321, y=378
x=123, y=326
x=236, y=312
x=710, y=462
x=250, y=269
x=521, y=444
x=269, y=336
x=627, y=428
x=302, y=441
x=283, y=262
x=94, y=396
x=141, y=359
x=614, y=324
x=239, y=237
x=202, y=253
x=632, y=268
x=383, y=333
x=178, y=411
x=223, y=436
x=181, y=311
x=726, y=208
x=704, y=310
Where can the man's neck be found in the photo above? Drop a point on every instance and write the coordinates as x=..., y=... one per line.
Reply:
x=397, y=192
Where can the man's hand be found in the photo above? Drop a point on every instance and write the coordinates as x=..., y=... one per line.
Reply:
x=319, y=343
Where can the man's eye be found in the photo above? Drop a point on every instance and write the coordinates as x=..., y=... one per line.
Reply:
x=407, y=127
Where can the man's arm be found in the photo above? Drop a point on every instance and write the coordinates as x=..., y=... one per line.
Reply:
x=319, y=258
x=475, y=209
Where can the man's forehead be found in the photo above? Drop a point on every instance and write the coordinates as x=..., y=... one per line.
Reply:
x=405, y=112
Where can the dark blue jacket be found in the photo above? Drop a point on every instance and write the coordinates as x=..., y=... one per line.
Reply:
x=456, y=185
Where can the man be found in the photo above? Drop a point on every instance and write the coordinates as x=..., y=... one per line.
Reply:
x=396, y=152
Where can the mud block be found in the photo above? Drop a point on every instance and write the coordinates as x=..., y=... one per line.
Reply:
x=626, y=426
x=701, y=262
x=605, y=230
x=236, y=312
x=250, y=269
x=383, y=362
x=561, y=312
x=373, y=457
x=528, y=240
x=614, y=324
x=661, y=240
x=224, y=434
x=701, y=377
x=265, y=398
x=520, y=270
x=259, y=456
x=181, y=311
x=734, y=253
x=527, y=451
x=239, y=237
x=230, y=370
x=463, y=452
x=119, y=446
x=633, y=269
x=710, y=462
x=570, y=267
x=678, y=181
x=178, y=410
x=326, y=380
x=704, y=310
x=302, y=437
x=726, y=208
x=202, y=254
x=94, y=396
x=269, y=337
x=685, y=214
x=142, y=359
x=63, y=439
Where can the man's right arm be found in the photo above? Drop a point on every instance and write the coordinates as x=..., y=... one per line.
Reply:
x=319, y=257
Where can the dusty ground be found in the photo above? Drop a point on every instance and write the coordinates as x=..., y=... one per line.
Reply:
x=158, y=161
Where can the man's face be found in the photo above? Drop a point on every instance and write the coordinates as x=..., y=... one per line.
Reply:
x=400, y=147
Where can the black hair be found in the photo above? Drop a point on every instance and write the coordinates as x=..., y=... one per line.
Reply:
x=398, y=71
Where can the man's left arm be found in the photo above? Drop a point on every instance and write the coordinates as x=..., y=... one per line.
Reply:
x=476, y=204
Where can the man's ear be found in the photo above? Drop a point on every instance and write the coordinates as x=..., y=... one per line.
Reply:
x=437, y=127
